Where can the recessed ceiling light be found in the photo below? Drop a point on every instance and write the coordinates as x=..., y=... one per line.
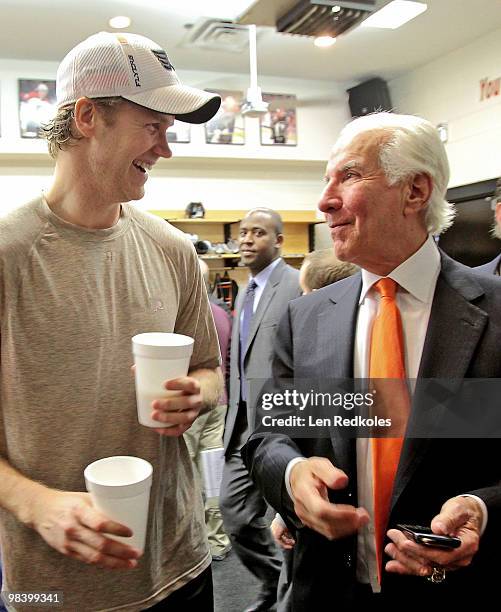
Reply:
x=394, y=14
x=324, y=41
x=336, y=8
x=119, y=22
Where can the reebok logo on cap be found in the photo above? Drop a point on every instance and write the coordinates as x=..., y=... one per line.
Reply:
x=162, y=58
x=134, y=71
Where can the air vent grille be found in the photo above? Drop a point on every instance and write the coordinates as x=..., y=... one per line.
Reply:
x=323, y=18
x=217, y=35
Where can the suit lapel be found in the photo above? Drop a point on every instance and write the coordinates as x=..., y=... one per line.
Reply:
x=266, y=297
x=335, y=340
x=495, y=264
x=235, y=334
x=336, y=329
x=454, y=330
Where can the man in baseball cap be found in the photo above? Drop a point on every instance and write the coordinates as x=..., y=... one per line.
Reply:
x=81, y=272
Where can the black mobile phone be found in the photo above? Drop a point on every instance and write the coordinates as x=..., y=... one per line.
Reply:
x=425, y=536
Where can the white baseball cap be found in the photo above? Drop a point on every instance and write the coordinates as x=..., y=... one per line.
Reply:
x=135, y=68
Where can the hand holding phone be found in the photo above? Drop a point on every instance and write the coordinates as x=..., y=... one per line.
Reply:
x=425, y=536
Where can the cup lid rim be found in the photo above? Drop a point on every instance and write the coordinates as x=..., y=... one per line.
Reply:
x=174, y=339
x=100, y=482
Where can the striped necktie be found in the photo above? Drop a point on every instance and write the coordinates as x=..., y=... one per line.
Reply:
x=248, y=311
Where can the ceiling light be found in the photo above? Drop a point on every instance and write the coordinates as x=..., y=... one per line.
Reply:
x=336, y=8
x=324, y=41
x=119, y=22
x=394, y=14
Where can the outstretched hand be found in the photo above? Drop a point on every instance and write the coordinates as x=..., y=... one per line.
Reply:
x=310, y=481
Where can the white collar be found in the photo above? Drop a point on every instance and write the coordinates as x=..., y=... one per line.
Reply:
x=417, y=274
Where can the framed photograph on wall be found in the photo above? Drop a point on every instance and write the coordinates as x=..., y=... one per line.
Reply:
x=179, y=132
x=227, y=125
x=278, y=126
x=37, y=105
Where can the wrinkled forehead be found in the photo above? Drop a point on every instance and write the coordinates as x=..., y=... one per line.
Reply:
x=361, y=150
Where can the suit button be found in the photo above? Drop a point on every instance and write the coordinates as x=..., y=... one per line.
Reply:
x=350, y=494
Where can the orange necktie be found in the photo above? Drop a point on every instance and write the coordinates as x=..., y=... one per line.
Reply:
x=387, y=361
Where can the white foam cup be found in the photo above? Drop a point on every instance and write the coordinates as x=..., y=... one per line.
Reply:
x=158, y=357
x=120, y=489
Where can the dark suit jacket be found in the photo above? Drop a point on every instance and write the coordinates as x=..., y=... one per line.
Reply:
x=282, y=286
x=491, y=266
x=316, y=340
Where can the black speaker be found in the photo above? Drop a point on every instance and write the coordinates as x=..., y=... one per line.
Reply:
x=368, y=97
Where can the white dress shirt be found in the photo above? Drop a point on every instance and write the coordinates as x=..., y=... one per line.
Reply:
x=417, y=279
x=261, y=279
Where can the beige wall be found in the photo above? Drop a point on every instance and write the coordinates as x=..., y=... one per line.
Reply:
x=448, y=90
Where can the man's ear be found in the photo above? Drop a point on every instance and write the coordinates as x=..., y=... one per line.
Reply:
x=279, y=241
x=85, y=116
x=420, y=187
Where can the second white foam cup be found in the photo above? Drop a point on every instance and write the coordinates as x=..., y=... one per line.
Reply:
x=158, y=357
x=120, y=489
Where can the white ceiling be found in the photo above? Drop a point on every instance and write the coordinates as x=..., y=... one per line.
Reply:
x=47, y=29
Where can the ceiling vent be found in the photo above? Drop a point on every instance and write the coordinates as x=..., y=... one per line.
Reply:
x=324, y=17
x=217, y=35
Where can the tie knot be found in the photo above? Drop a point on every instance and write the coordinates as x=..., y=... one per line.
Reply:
x=251, y=286
x=386, y=287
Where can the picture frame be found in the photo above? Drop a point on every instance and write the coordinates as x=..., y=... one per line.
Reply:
x=278, y=127
x=37, y=105
x=227, y=125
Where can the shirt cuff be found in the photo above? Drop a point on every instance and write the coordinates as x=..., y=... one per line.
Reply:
x=280, y=521
x=288, y=469
x=485, y=512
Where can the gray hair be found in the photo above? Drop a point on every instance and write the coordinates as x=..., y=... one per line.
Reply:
x=59, y=130
x=412, y=145
x=496, y=229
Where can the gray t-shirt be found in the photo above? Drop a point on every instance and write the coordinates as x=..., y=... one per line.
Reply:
x=70, y=301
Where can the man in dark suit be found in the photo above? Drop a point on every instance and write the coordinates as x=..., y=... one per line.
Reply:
x=258, y=309
x=383, y=200
x=494, y=266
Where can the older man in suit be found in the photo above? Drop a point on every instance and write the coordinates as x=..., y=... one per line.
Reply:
x=383, y=200
x=494, y=266
x=271, y=285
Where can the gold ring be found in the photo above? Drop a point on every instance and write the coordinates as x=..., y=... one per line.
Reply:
x=437, y=574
